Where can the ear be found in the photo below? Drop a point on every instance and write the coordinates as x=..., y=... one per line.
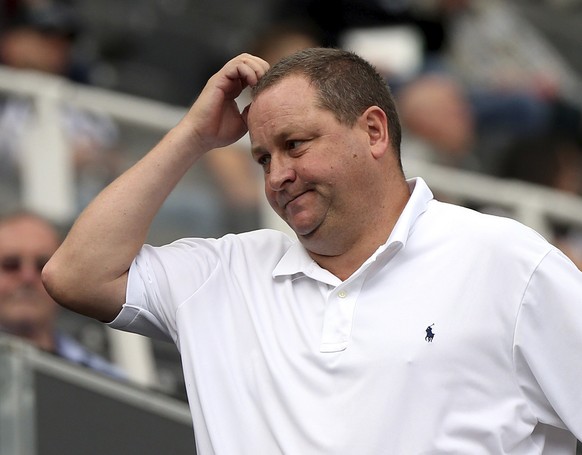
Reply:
x=376, y=124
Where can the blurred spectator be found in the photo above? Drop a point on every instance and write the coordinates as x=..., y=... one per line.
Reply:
x=27, y=241
x=554, y=162
x=475, y=128
x=284, y=37
x=436, y=108
x=41, y=36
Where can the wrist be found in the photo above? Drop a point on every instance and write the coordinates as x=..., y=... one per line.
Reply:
x=185, y=136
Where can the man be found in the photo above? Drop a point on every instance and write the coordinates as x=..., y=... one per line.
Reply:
x=42, y=37
x=27, y=241
x=317, y=346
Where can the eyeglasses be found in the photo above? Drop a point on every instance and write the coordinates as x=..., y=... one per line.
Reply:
x=15, y=264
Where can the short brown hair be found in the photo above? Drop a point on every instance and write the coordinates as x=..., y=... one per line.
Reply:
x=346, y=83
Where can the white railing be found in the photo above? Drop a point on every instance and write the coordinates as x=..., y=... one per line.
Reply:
x=536, y=206
x=533, y=205
x=48, y=178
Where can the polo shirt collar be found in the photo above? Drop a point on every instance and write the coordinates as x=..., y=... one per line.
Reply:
x=420, y=196
x=297, y=261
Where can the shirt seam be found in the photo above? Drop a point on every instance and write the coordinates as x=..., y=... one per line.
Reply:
x=186, y=299
x=513, y=342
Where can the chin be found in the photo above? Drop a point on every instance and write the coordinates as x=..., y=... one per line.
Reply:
x=311, y=235
x=303, y=230
x=305, y=227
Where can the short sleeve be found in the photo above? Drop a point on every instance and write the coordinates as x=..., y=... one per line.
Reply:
x=160, y=280
x=138, y=320
x=548, y=343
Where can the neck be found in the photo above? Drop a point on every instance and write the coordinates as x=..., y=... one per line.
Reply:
x=353, y=252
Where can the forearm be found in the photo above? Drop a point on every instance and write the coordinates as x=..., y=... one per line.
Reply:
x=88, y=273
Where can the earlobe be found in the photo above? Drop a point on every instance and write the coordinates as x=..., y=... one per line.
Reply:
x=377, y=129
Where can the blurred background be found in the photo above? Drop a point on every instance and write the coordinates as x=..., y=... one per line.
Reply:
x=489, y=92
x=166, y=49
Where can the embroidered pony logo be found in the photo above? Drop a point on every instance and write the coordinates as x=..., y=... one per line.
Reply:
x=429, y=334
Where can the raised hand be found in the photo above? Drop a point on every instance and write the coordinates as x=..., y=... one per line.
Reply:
x=215, y=119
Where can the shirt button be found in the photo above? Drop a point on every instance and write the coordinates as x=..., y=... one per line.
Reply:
x=342, y=294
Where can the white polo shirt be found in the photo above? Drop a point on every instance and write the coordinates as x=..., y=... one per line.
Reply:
x=282, y=357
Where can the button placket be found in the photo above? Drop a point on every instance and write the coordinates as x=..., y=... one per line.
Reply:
x=338, y=317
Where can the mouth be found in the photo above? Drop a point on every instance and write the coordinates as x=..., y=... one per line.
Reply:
x=290, y=200
x=24, y=297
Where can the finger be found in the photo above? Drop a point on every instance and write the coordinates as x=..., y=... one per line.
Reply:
x=259, y=65
x=250, y=68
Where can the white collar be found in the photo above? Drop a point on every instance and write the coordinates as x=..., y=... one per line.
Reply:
x=297, y=260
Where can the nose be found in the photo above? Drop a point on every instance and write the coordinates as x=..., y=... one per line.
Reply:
x=280, y=172
x=29, y=273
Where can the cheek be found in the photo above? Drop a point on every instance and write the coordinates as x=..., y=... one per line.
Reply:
x=6, y=286
x=270, y=196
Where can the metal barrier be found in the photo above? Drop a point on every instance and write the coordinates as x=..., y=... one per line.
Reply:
x=49, y=406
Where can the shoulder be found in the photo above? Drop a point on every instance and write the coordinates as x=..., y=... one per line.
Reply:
x=461, y=219
x=489, y=234
x=259, y=241
x=262, y=247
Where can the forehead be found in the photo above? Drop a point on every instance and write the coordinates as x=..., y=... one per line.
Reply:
x=27, y=234
x=293, y=91
x=290, y=103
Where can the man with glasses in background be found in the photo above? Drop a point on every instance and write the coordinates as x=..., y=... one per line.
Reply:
x=27, y=241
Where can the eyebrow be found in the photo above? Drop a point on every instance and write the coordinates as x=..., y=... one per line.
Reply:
x=257, y=151
x=280, y=138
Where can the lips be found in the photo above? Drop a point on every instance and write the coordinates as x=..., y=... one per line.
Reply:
x=285, y=199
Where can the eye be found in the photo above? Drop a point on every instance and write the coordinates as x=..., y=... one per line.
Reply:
x=263, y=160
x=11, y=264
x=293, y=144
